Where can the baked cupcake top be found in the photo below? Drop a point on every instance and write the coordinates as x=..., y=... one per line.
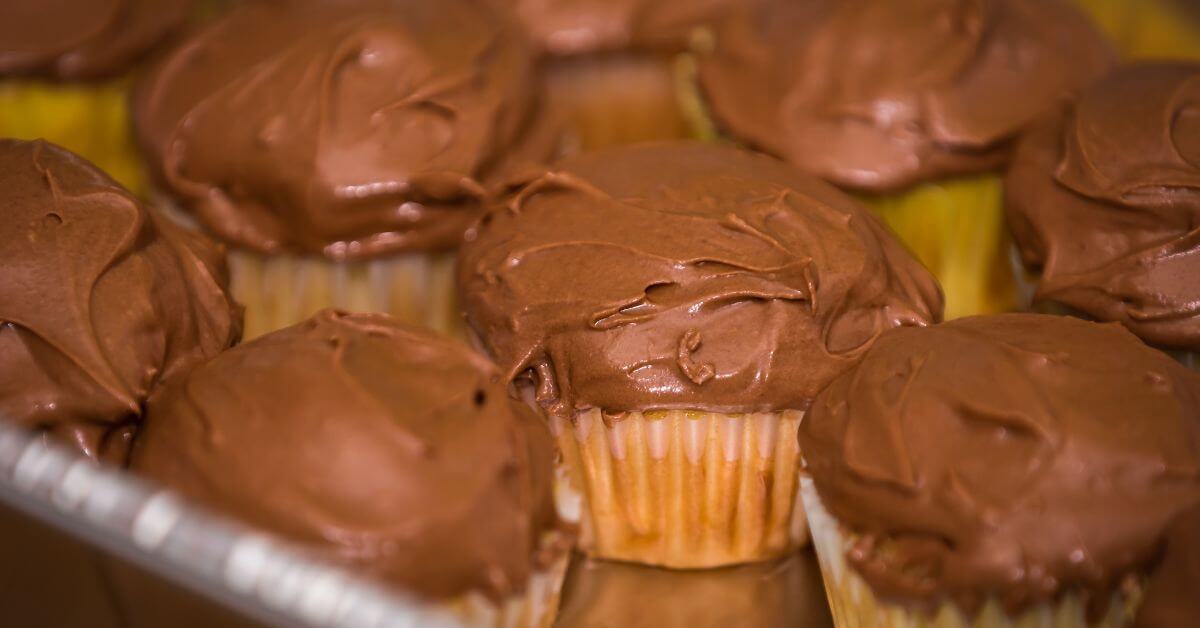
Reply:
x=100, y=299
x=566, y=27
x=684, y=276
x=83, y=39
x=375, y=444
x=1104, y=199
x=1017, y=455
x=346, y=129
x=1170, y=600
x=879, y=95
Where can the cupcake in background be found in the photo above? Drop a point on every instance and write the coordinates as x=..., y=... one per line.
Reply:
x=100, y=299
x=913, y=105
x=1008, y=470
x=384, y=448
x=674, y=308
x=63, y=72
x=620, y=71
x=341, y=148
x=1104, y=200
x=1163, y=29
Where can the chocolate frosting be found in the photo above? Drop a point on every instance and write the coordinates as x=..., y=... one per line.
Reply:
x=100, y=299
x=1104, y=202
x=878, y=95
x=83, y=39
x=1018, y=455
x=683, y=275
x=378, y=445
x=346, y=129
x=1170, y=599
x=567, y=27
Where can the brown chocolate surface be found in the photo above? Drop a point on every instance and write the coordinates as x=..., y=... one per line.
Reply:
x=1171, y=599
x=779, y=593
x=83, y=39
x=682, y=275
x=1018, y=455
x=878, y=95
x=100, y=299
x=1104, y=203
x=380, y=446
x=345, y=129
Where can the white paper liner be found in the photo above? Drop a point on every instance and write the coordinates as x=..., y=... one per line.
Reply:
x=536, y=608
x=854, y=605
x=685, y=489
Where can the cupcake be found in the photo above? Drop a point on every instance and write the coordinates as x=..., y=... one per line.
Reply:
x=674, y=308
x=100, y=299
x=913, y=105
x=1009, y=470
x=1150, y=28
x=63, y=71
x=377, y=446
x=1102, y=201
x=1170, y=599
x=340, y=148
x=619, y=72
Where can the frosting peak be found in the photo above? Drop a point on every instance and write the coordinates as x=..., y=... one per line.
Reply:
x=346, y=129
x=1020, y=456
x=100, y=299
x=680, y=275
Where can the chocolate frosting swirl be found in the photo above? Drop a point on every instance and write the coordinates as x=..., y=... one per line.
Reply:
x=1017, y=455
x=879, y=95
x=1104, y=202
x=346, y=129
x=100, y=299
x=83, y=39
x=680, y=275
x=375, y=444
x=1170, y=600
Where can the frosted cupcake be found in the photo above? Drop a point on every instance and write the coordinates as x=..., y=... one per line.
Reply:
x=914, y=105
x=1012, y=470
x=340, y=148
x=64, y=68
x=381, y=447
x=1102, y=200
x=674, y=308
x=100, y=299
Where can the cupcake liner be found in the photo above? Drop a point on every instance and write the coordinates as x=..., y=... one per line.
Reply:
x=955, y=227
x=685, y=489
x=537, y=607
x=1167, y=29
x=91, y=120
x=281, y=290
x=854, y=604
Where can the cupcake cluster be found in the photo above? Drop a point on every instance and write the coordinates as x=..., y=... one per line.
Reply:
x=688, y=286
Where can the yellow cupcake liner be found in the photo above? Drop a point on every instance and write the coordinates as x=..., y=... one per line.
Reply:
x=537, y=607
x=89, y=119
x=685, y=489
x=1145, y=29
x=956, y=228
x=281, y=290
x=854, y=605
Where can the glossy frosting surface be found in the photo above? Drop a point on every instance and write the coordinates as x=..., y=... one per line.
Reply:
x=681, y=275
x=1016, y=455
x=588, y=26
x=344, y=129
x=1104, y=203
x=878, y=95
x=378, y=445
x=100, y=299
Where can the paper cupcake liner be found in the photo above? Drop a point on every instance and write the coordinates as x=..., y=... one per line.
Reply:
x=854, y=605
x=1165, y=29
x=89, y=119
x=537, y=607
x=685, y=489
x=281, y=290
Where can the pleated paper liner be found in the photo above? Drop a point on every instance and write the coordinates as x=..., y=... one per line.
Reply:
x=685, y=489
x=854, y=604
x=1142, y=29
x=537, y=607
x=89, y=119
